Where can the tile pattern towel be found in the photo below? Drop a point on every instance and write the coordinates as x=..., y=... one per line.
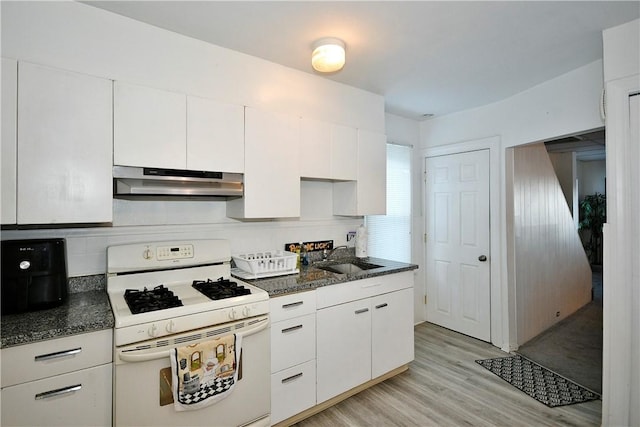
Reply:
x=205, y=373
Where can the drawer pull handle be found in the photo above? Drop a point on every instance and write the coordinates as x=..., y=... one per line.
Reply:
x=362, y=310
x=293, y=328
x=291, y=378
x=372, y=285
x=58, y=354
x=382, y=305
x=292, y=304
x=58, y=392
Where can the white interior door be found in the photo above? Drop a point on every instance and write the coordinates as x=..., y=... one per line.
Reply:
x=457, y=243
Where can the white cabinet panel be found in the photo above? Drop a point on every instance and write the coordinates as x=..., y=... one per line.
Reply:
x=315, y=149
x=328, y=150
x=149, y=127
x=81, y=398
x=9, y=140
x=64, y=147
x=215, y=136
x=391, y=331
x=53, y=357
x=293, y=341
x=344, y=153
x=293, y=390
x=344, y=348
x=272, y=175
x=368, y=195
x=292, y=305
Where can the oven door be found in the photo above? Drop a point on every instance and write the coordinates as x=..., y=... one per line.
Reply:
x=142, y=382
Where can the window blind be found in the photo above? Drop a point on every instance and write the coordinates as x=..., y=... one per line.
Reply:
x=390, y=234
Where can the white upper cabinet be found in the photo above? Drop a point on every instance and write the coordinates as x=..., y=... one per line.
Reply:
x=9, y=141
x=215, y=136
x=157, y=128
x=64, y=147
x=315, y=149
x=272, y=174
x=328, y=151
x=368, y=195
x=149, y=127
x=344, y=153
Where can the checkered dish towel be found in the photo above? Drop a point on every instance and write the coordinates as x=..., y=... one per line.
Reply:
x=205, y=373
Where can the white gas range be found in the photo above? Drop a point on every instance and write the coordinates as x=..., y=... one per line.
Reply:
x=167, y=295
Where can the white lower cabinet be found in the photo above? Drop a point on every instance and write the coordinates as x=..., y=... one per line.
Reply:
x=293, y=354
x=80, y=398
x=60, y=382
x=344, y=348
x=364, y=330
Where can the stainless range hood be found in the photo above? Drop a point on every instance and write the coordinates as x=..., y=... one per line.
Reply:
x=155, y=183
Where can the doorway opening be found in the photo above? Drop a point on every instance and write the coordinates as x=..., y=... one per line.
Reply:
x=573, y=346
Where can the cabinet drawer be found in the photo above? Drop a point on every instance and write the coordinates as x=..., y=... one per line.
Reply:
x=53, y=357
x=292, y=391
x=294, y=305
x=365, y=288
x=293, y=341
x=79, y=398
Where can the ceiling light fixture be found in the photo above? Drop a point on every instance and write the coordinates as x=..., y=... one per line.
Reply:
x=328, y=55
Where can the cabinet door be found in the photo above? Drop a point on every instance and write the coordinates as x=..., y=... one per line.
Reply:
x=64, y=147
x=344, y=153
x=293, y=341
x=149, y=127
x=343, y=348
x=292, y=391
x=368, y=195
x=271, y=174
x=372, y=173
x=215, y=136
x=315, y=149
x=391, y=331
x=80, y=398
x=9, y=141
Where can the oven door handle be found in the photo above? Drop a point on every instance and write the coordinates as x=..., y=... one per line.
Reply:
x=142, y=356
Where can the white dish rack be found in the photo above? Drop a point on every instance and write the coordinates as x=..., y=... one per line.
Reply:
x=265, y=264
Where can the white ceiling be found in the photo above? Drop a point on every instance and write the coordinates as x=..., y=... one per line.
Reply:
x=424, y=57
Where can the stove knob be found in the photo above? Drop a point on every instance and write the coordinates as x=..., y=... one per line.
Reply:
x=152, y=331
x=171, y=326
x=245, y=311
x=232, y=314
x=147, y=254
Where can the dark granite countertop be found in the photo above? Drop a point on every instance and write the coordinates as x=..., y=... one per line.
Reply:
x=83, y=312
x=312, y=277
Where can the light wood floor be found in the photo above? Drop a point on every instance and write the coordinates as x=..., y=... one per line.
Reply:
x=445, y=387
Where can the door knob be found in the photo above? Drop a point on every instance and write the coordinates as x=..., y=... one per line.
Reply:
x=482, y=258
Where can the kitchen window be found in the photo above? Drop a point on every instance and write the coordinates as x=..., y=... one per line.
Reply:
x=390, y=234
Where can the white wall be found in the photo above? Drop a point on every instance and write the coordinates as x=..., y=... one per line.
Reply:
x=73, y=36
x=564, y=164
x=552, y=274
x=591, y=177
x=621, y=316
x=407, y=132
x=565, y=105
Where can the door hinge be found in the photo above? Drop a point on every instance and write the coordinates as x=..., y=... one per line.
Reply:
x=425, y=300
x=425, y=237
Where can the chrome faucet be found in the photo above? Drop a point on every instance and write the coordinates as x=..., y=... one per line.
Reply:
x=327, y=255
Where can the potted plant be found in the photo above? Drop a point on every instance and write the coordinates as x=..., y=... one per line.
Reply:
x=593, y=215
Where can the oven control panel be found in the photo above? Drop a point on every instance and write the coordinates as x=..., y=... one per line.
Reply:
x=174, y=252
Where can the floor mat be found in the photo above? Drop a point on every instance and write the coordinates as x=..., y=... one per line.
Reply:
x=538, y=382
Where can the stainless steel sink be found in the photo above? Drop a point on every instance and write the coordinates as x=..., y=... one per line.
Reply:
x=349, y=267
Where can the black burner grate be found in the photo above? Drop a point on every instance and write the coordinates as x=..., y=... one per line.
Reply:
x=146, y=300
x=220, y=289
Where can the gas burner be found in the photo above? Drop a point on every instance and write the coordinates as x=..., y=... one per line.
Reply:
x=220, y=289
x=143, y=301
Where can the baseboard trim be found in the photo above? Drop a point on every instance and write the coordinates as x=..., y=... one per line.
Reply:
x=339, y=398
